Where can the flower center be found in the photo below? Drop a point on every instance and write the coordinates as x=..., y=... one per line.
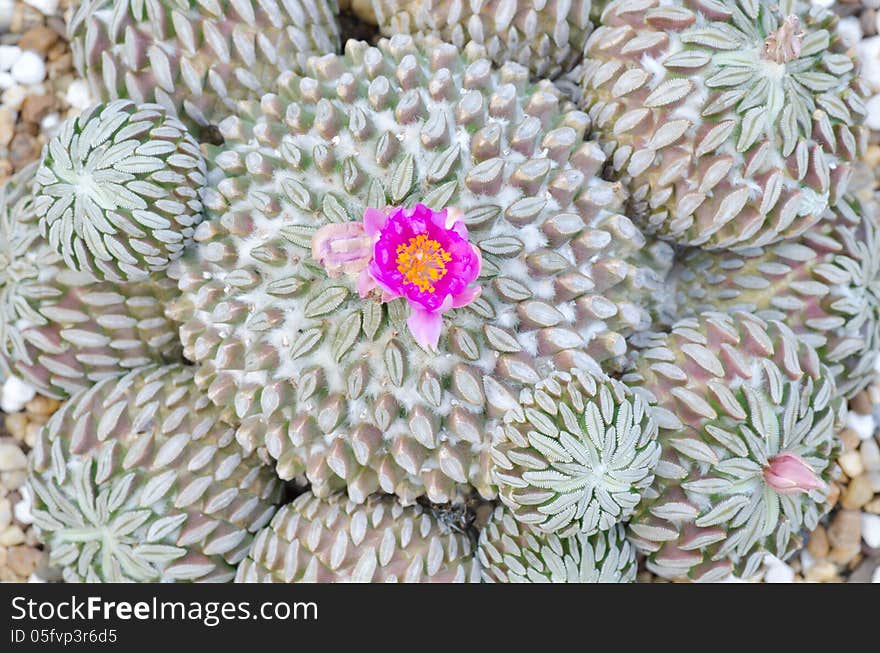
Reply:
x=422, y=261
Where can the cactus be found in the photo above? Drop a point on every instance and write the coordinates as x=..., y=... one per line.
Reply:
x=585, y=281
x=117, y=191
x=824, y=285
x=60, y=329
x=196, y=58
x=577, y=454
x=136, y=479
x=512, y=552
x=735, y=397
x=336, y=540
x=733, y=123
x=297, y=345
x=546, y=37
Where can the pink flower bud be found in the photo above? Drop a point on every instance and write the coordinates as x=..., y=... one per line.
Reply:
x=787, y=473
x=342, y=248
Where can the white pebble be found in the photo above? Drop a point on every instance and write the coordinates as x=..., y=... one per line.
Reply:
x=45, y=7
x=15, y=394
x=870, y=454
x=873, y=107
x=23, y=508
x=861, y=424
x=876, y=577
x=78, y=95
x=9, y=54
x=11, y=458
x=49, y=123
x=33, y=578
x=850, y=30
x=777, y=571
x=29, y=69
x=6, y=81
x=871, y=530
x=13, y=97
x=869, y=54
x=7, y=8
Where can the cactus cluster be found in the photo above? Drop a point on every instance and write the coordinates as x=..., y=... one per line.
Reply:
x=517, y=293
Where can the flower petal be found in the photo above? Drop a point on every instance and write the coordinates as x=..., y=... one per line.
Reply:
x=425, y=326
x=374, y=220
x=465, y=297
x=366, y=283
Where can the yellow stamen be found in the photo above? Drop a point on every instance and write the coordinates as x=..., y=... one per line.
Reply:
x=422, y=261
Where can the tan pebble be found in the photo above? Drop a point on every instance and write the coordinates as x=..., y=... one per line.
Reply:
x=36, y=107
x=23, y=559
x=818, y=543
x=13, y=96
x=850, y=439
x=858, y=493
x=833, y=494
x=822, y=572
x=7, y=126
x=2, y=556
x=872, y=506
x=11, y=457
x=23, y=150
x=844, y=535
x=57, y=51
x=851, y=463
x=13, y=480
x=30, y=537
x=5, y=513
x=24, y=17
x=39, y=38
x=854, y=562
x=861, y=403
x=41, y=405
x=869, y=452
x=59, y=66
x=17, y=424
x=846, y=528
x=30, y=435
x=12, y=536
x=874, y=480
x=872, y=156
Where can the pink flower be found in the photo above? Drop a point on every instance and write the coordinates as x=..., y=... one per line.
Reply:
x=423, y=256
x=787, y=473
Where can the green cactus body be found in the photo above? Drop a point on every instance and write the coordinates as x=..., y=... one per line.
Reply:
x=546, y=37
x=117, y=191
x=825, y=286
x=60, y=329
x=576, y=455
x=137, y=479
x=333, y=385
x=196, y=58
x=316, y=540
x=732, y=393
x=734, y=123
x=511, y=552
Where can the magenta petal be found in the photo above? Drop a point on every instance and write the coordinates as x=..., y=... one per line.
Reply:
x=437, y=218
x=460, y=228
x=466, y=296
x=425, y=327
x=374, y=220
